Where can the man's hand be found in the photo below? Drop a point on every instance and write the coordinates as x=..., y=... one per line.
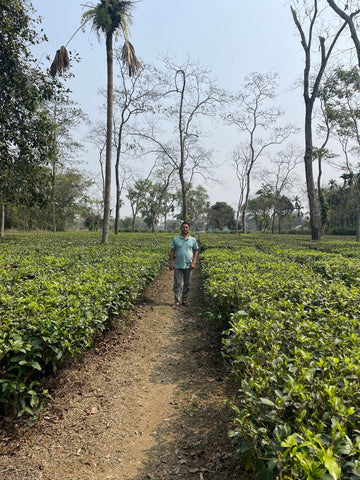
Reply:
x=192, y=266
x=171, y=266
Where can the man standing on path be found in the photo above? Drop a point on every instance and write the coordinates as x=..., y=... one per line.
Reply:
x=184, y=250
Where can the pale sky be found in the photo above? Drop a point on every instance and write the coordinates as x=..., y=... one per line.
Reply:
x=232, y=37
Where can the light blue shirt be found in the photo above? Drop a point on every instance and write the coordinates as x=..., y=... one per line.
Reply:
x=184, y=251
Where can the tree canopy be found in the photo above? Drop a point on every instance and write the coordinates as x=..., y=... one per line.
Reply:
x=25, y=128
x=220, y=216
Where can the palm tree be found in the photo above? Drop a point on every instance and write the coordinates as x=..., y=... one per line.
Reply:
x=108, y=16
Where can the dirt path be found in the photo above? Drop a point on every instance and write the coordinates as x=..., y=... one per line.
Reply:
x=146, y=403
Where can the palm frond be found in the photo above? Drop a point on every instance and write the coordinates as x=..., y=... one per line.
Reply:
x=129, y=57
x=60, y=63
x=108, y=15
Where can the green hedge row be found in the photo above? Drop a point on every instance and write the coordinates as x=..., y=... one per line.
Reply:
x=56, y=293
x=294, y=347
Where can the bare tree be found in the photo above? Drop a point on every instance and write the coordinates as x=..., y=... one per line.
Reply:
x=132, y=97
x=241, y=163
x=97, y=137
x=281, y=177
x=312, y=77
x=189, y=97
x=257, y=118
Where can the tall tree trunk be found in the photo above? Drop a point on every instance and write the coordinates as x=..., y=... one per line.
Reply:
x=308, y=159
x=237, y=222
x=319, y=172
x=109, y=120
x=183, y=196
x=243, y=215
x=53, y=203
x=2, y=221
x=118, y=204
x=273, y=222
x=117, y=179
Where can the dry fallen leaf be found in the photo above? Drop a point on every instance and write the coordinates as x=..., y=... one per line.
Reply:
x=193, y=470
x=92, y=411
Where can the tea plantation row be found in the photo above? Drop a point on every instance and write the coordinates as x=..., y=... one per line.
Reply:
x=293, y=344
x=56, y=293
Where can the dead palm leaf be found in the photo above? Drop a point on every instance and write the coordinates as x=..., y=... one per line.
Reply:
x=60, y=63
x=129, y=58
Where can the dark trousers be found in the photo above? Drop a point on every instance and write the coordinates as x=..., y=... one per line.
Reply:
x=181, y=274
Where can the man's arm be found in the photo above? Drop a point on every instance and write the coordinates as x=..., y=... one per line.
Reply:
x=172, y=254
x=193, y=263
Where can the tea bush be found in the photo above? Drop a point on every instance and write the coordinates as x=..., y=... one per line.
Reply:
x=293, y=343
x=56, y=294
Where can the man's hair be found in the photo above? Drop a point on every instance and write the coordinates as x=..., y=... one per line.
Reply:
x=185, y=223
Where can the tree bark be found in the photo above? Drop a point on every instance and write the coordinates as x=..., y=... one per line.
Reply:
x=2, y=221
x=273, y=222
x=183, y=195
x=109, y=120
x=308, y=160
x=53, y=183
x=243, y=215
x=117, y=207
x=53, y=203
x=237, y=219
x=117, y=180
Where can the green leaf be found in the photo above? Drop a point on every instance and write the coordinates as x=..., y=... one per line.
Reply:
x=331, y=465
x=266, y=401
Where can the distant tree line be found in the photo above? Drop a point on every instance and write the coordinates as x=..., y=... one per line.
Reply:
x=76, y=208
x=268, y=210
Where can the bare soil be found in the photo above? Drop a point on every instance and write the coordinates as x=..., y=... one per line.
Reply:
x=145, y=403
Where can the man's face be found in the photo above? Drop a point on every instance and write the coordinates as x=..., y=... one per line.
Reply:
x=185, y=229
